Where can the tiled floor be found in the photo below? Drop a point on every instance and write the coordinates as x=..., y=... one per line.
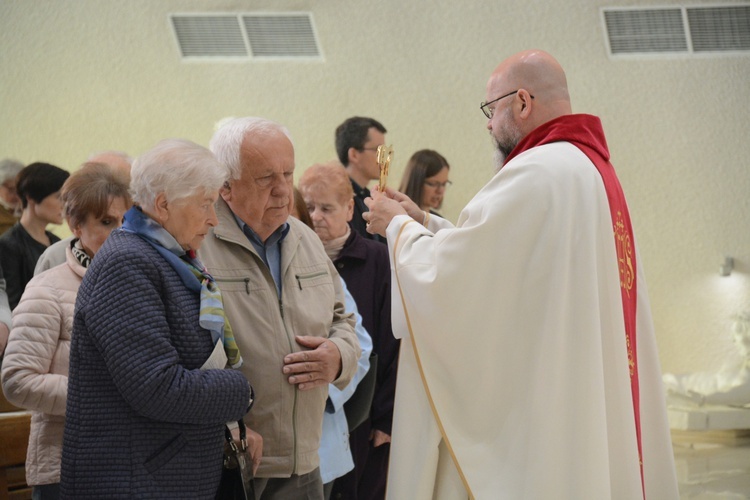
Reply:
x=712, y=465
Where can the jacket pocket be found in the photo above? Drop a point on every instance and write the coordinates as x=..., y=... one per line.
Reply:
x=165, y=453
x=313, y=279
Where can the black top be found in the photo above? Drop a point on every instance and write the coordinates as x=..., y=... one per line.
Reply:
x=357, y=223
x=18, y=255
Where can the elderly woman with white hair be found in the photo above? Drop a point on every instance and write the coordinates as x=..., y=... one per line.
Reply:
x=146, y=412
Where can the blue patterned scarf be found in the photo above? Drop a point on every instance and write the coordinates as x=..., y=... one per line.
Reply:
x=195, y=276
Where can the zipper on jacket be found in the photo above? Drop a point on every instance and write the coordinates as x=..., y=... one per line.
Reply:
x=301, y=277
x=236, y=280
x=294, y=404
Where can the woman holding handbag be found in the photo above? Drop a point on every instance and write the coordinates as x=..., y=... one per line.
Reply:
x=148, y=395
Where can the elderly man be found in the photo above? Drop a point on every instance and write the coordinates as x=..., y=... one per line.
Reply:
x=529, y=319
x=357, y=141
x=284, y=299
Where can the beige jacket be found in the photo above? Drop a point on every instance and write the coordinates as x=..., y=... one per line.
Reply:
x=35, y=367
x=312, y=303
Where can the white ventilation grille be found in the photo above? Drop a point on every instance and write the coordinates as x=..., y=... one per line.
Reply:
x=653, y=30
x=677, y=30
x=715, y=29
x=281, y=35
x=209, y=36
x=246, y=36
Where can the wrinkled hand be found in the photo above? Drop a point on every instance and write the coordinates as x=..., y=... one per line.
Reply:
x=310, y=369
x=383, y=208
x=254, y=445
x=379, y=438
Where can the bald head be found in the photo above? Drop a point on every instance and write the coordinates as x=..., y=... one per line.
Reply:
x=534, y=90
x=114, y=159
x=542, y=76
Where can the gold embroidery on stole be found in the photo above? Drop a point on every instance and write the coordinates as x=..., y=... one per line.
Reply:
x=624, y=254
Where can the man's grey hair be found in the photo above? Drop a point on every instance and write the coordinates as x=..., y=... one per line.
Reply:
x=177, y=167
x=9, y=169
x=227, y=140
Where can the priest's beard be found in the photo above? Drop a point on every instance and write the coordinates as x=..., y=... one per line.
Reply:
x=506, y=139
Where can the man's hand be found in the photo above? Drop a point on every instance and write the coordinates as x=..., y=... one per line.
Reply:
x=384, y=207
x=310, y=369
x=254, y=445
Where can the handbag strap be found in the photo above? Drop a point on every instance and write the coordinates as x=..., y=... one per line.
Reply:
x=243, y=435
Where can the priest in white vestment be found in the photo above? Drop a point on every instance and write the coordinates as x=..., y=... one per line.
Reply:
x=529, y=367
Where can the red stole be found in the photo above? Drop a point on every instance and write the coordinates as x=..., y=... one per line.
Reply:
x=585, y=132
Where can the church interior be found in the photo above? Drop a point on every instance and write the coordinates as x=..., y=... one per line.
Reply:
x=90, y=75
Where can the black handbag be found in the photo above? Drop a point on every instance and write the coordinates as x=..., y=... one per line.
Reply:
x=237, y=472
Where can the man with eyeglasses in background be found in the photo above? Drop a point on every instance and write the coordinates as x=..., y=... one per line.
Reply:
x=530, y=366
x=357, y=141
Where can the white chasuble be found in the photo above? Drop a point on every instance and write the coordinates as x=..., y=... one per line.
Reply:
x=514, y=364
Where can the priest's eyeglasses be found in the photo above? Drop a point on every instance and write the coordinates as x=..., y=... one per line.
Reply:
x=489, y=112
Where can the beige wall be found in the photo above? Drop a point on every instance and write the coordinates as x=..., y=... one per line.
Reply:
x=78, y=76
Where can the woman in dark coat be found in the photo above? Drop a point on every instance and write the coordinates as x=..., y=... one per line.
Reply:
x=146, y=413
x=365, y=267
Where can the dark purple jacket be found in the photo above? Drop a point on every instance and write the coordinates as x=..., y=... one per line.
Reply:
x=366, y=269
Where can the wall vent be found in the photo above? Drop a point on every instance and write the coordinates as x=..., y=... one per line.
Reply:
x=720, y=29
x=277, y=35
x=677, y=30
x=246, y=36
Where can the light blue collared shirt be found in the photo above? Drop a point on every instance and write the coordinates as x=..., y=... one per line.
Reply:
x=270, y=250
x=335, y=455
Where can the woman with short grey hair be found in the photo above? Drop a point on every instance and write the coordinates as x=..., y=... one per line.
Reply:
x=148, y=395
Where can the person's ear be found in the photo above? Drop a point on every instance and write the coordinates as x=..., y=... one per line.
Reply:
x=161, y=207
x=76, y=231
x=353, y=155
x=526, y=103
x=225, y=191
x=350, y=210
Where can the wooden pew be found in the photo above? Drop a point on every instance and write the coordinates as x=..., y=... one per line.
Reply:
x=14, y=436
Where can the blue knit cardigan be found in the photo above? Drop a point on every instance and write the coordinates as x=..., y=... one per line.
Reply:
x=142, y=421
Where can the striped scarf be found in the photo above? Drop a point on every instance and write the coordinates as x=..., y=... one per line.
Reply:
x=195, y=276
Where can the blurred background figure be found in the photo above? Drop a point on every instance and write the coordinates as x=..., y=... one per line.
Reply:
x=365, y=267
x=425, y=180
x=4, y=318
x=357, y=140
x=35, y=368
x=9, y=202
x=119, y=160
x=38, y=186
x=54, y=255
